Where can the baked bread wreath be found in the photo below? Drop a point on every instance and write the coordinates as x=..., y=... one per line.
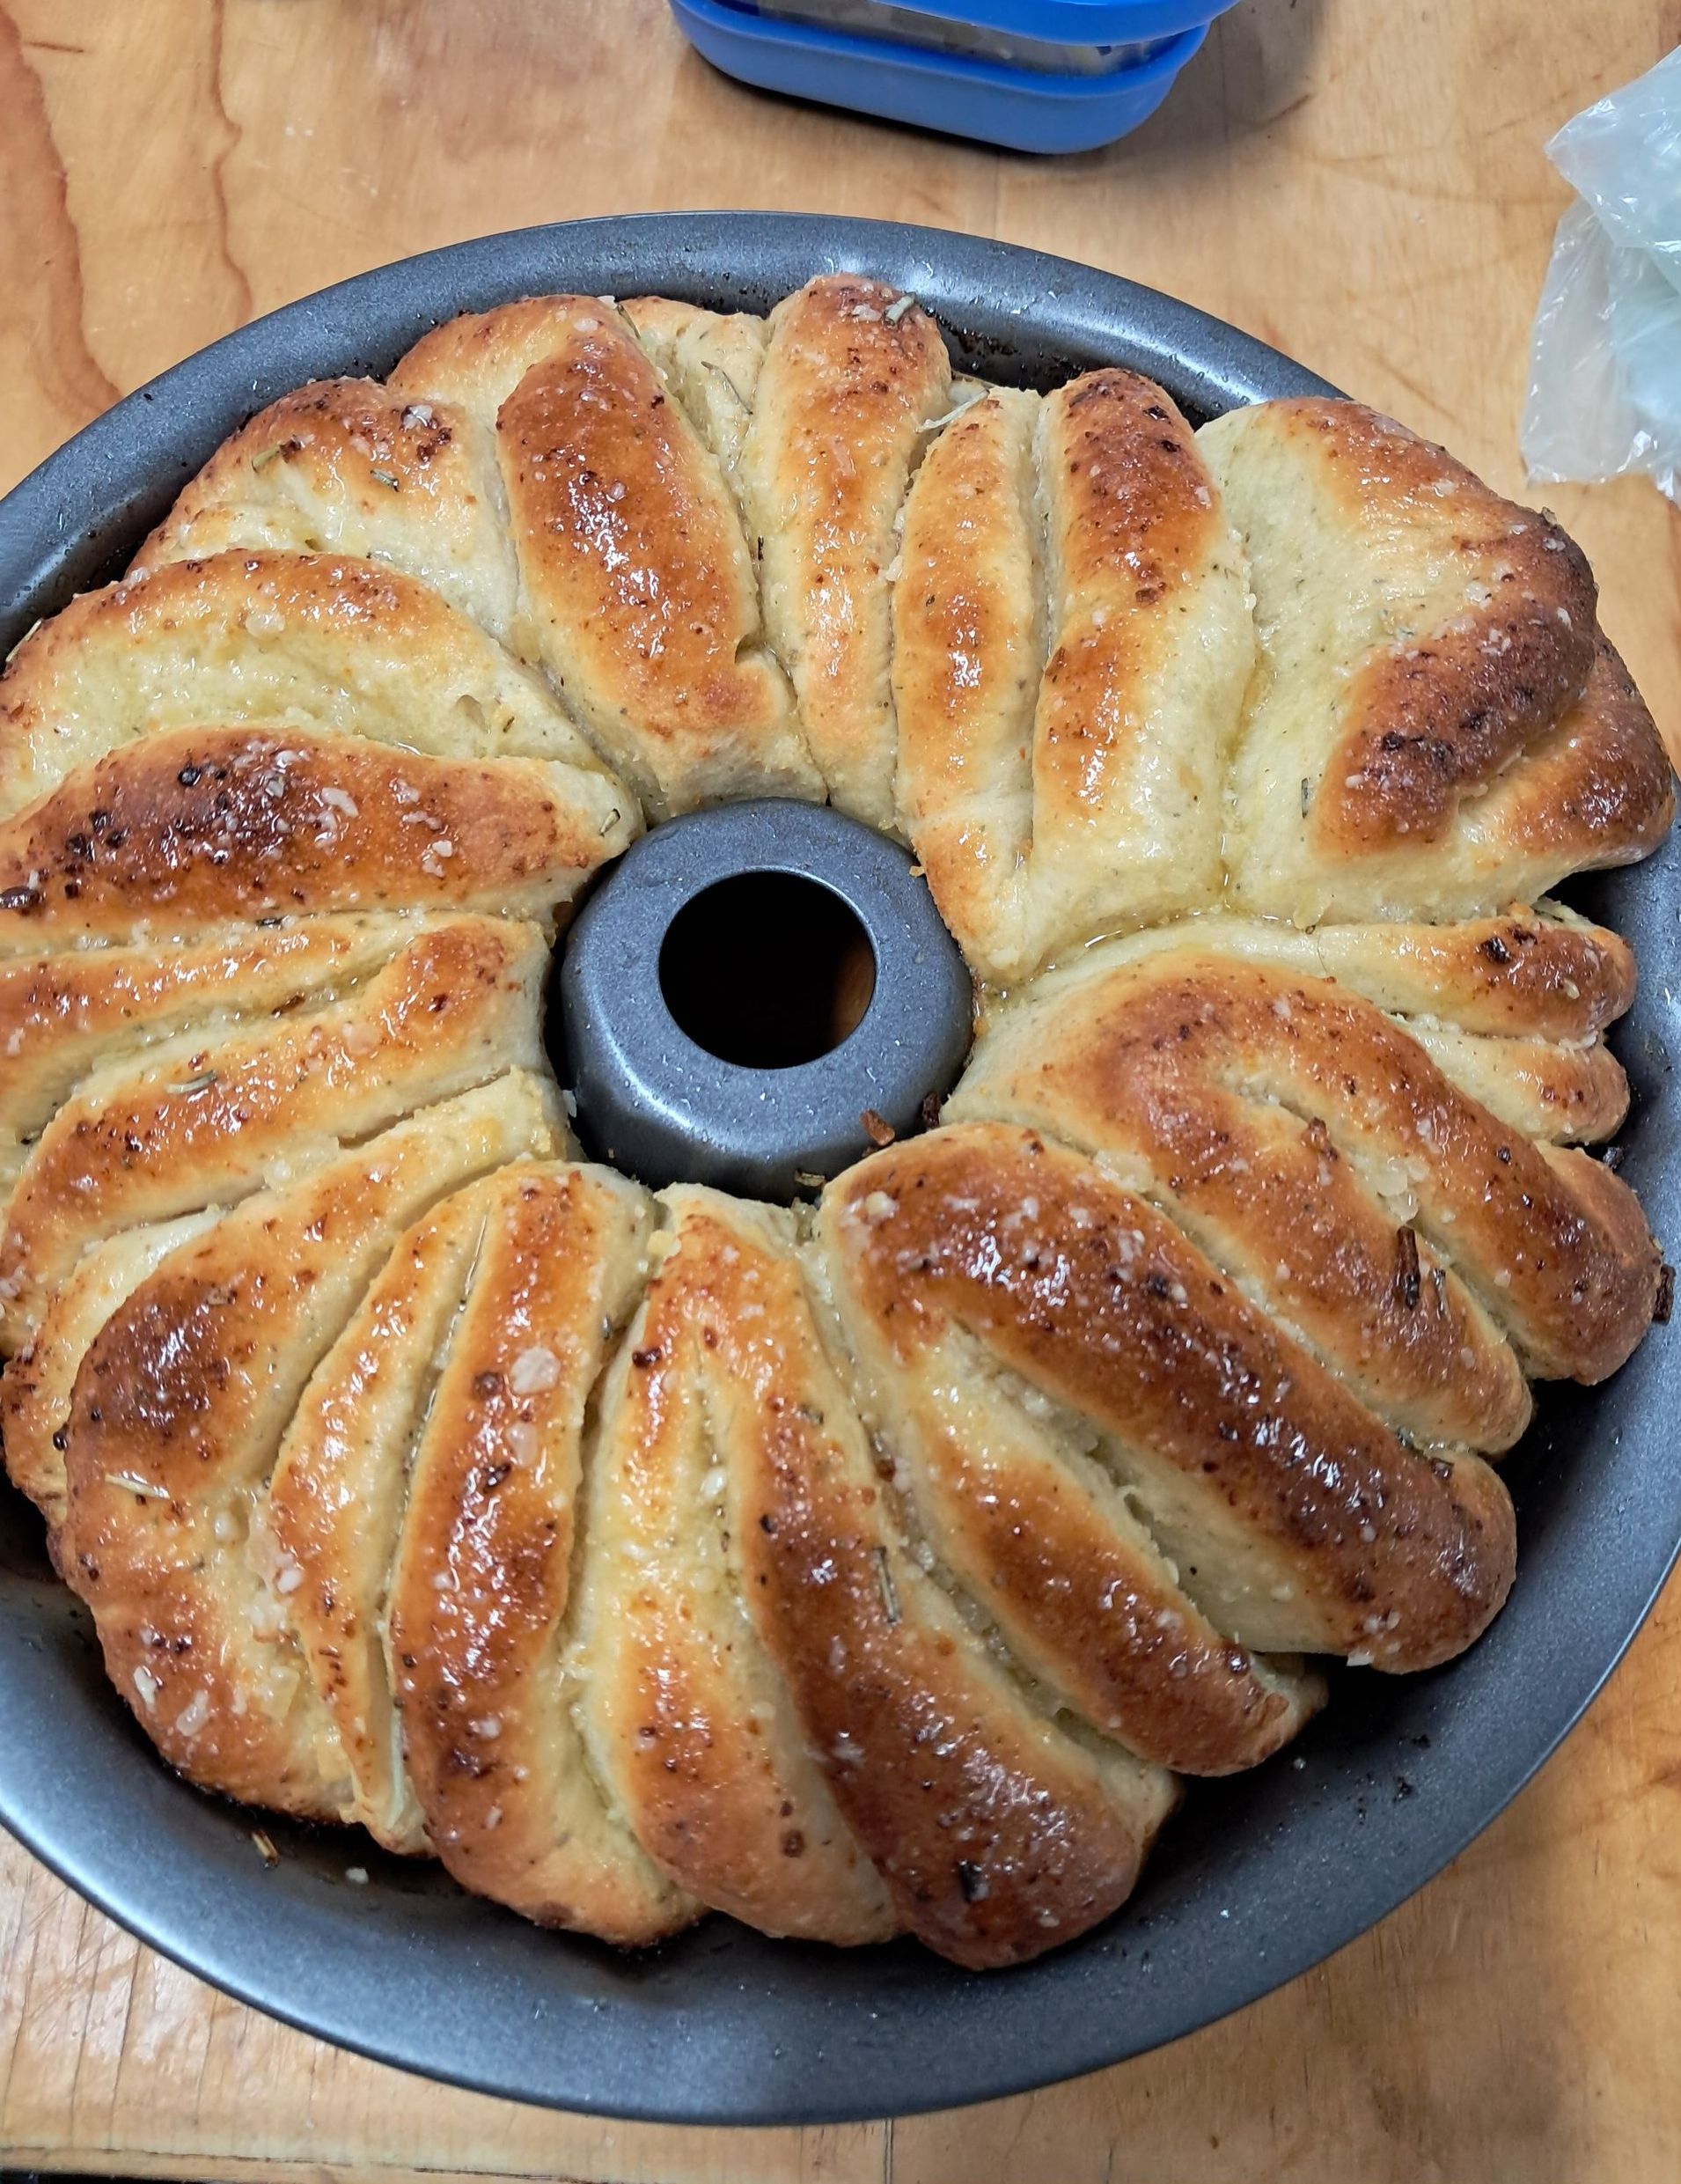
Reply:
x=869, y=1566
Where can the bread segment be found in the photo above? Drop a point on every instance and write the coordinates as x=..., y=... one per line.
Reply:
x=637, y=589
x=314, y=641
x=853, y=375
x=195, y=1122
x=192, y=827
x=1011, y=1502
x=488, y=1638
x=39, y=1381
x=64, y=1016
x=996, y=1832
x=969, y=639
x=1258, y=1475
x=345, y=466
x=178, y=1414
x=1436, y=727
x=1072, y=643
x=1150, y=648
x=691, y=1722
x=711, y=360
x=340, y=1485
x=1430, y=1252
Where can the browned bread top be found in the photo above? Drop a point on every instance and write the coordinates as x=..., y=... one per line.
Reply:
x=348, y=466
x=637, y=587
x=703, y=1742
x=189, y=827
x=1294, y=1521
x=853, y=375
x=1072, y=645
x=1436, y=725
x=175, y=1424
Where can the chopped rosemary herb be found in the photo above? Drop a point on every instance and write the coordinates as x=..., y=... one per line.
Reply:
x=132, y=1483
x=718, y=372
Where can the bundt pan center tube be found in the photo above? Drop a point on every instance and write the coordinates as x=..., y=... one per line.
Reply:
x=756, y=995
x=869, y=1497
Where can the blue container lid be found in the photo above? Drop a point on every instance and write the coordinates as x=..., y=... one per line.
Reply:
x=1069, y=22
x=989, y=101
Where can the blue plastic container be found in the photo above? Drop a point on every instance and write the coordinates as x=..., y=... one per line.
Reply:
x=1065, y=75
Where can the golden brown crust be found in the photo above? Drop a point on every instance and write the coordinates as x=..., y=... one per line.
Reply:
x=1095, y=1613
x=1538, y=974
x=1134, y=527
x=192, y=1124
x=853, y=373
x=922, y=1740
x=634, y=559
x=1314, y=1148
x=344, y=466
x=1437, y=727
x=691, y=1722
x=337, y=1497
x=39, y=1383
x=64, y=1016
x=178, y=1411
x=1559, y=1094
x=1014, y=1510
x=638, y=585
x=482, y=1604
x=1072, y=644
x=968, y=657
x=1600, y=789
x=193, y=826
x=1447, y=711
x=996, y=1834
x=315, y=641
x=1254, y=1467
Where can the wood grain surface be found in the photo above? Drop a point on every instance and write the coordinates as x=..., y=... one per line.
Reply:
x=1360, y=182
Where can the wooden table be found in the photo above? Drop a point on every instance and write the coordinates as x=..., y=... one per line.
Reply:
x=1360, y=182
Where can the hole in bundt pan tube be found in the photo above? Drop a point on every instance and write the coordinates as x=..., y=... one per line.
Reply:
x=767, y=970
x=755, y=996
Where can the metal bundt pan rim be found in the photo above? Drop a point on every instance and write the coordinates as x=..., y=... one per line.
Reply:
x=1255, y=1879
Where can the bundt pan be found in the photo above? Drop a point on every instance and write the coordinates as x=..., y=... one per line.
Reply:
x=1262, y=1874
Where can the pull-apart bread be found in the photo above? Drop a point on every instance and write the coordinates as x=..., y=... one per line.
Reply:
x=874, y=1566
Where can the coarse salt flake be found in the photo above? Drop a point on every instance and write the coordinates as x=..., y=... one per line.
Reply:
x=534, y=1371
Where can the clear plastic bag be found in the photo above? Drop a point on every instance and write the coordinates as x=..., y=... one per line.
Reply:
x=1604, y=392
